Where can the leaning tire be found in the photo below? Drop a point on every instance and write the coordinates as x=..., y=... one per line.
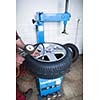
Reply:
x=49, y=69
x=73, y=49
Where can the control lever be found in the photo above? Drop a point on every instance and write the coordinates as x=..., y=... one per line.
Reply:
x=33, y=21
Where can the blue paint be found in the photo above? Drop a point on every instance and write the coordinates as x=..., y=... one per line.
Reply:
x=49, y=17
x=49, y=86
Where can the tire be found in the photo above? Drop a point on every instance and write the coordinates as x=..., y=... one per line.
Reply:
x=49, y=69
x=74, y=50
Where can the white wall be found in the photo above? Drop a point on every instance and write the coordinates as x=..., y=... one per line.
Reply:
x=26, y=11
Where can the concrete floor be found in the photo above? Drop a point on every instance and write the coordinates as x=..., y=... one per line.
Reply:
x=72, y=86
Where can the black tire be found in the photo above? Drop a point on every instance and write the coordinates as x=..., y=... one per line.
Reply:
x=74, y=50
x=49, y=70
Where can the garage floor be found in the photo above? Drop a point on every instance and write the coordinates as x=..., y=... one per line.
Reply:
x=72, y=86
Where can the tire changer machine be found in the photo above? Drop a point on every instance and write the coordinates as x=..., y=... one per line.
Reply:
x=49, y=87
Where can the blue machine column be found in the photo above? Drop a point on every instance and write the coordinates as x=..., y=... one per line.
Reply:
x=40, y=32
x=39, y=28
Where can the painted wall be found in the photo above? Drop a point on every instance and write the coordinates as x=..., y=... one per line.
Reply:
x=26, y=11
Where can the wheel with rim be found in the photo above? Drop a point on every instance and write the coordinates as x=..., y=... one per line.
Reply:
x=54, y=60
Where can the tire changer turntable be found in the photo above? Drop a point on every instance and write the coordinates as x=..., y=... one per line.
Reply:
x=49, y=84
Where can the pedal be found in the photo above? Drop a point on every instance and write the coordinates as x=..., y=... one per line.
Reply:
x=48, y=97
x=59, y=94
x=54, y=95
